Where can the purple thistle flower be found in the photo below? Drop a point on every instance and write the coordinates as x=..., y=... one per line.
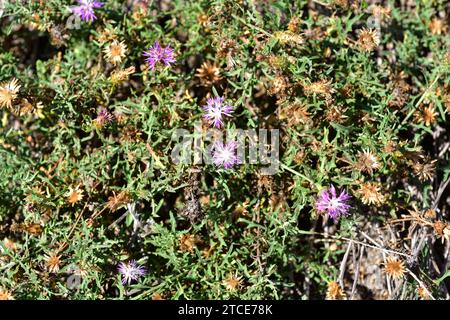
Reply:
x=215, y=109
x=156, y=54
x=130, y=271
x=103, y=117
x=334, y=205
x=225, y=154
x=85, y=10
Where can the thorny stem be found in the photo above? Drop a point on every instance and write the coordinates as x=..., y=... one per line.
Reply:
x=357, y=242
x=421, y=283
x=252, y=26
x=296, y=172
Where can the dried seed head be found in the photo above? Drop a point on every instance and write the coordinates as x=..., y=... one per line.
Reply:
x=439, y=227
x=278, y=86
x=8, y=93
x=226, y=47
x=208, y=74
x=394, y=268
x=423, y=293
x=118, y=76
x=437, y=26
x=188, y=242
x=341, y=3
x=117, y=200
x=390, y=147
x=115, y=52
x=106, y=35
x=294, y=24
x=335, y=114
x=157, y=296
x=370, y=193
x=368, y=39
x=295, y=113
x=31, y=228
x=424, y=170
x=367, y=162
x=5, y=294
x=11, y=245
x=430, y=214
x=204, y=20
x=426, y=115
x=321, y=87
x=335, y=292
x=289, y=37
x=52, y=262
x=74, y=195
x=233, y=282
x=381, y=12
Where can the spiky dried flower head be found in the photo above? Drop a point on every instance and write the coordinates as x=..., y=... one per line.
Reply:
x=341, y=3
x=439, y=227
x=204, y=20
x=335, y=114
x=74, y=195
x=9, y=244
x=117, y=200
x=424, y=170
x=233, y=282
x=394, y=267
x=367, y=162
x=381, y=12
x=370, y=193
x=295, y=113
x=368, y=39
x=106, y=35
x=446, y=99
x=438, y=26
x=208, y=73
x=5, y=294
x=322, y=87
x=289, y=37
x=188, y=242
x=157, y=296
x=118, y=76
x=52, y=262
x=8, y=93
x=335, y=292
x=115, y=52
x=426, y=115
x=294, y=24
x=278, y=86
x=333, y=204
x=430, y=214
x=423, y=293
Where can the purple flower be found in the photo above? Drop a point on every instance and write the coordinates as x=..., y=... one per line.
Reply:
x=215, y=109
x=130, y=271
x=334, y=205
x=85, y=10
x=103, y=117
x=225, y=154
x=156, y=54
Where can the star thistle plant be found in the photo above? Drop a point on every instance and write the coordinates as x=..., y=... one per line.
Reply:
x=332, y=203
x=86, y=9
